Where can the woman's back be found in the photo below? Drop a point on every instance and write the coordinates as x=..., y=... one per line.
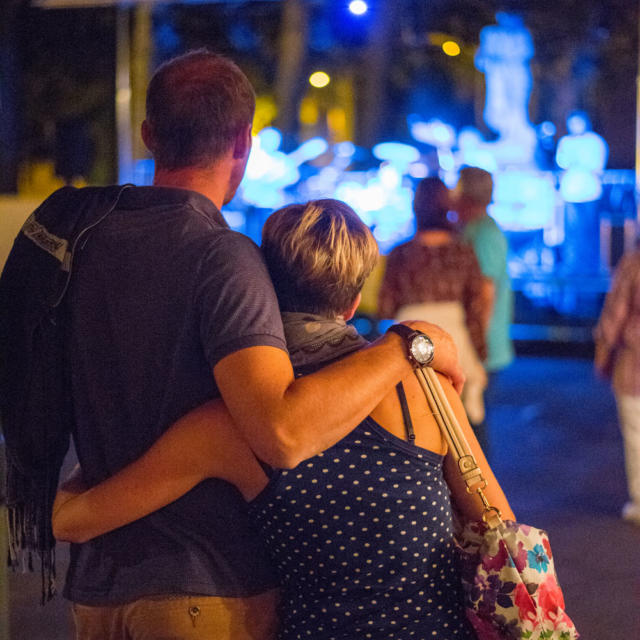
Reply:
x=361, y=534
x=437, y=277
x=411, y=264
x=417, y=273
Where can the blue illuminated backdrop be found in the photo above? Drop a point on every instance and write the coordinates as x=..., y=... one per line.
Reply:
x=538, y=203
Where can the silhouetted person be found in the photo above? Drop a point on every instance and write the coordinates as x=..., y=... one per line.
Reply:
x=582, y=154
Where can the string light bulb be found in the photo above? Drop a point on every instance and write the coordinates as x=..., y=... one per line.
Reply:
x=319, y=79
x=451, y=48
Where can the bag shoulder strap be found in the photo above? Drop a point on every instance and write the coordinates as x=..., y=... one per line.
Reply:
x=457, y=441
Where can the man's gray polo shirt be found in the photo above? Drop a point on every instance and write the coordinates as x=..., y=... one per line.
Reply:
x=162, y=290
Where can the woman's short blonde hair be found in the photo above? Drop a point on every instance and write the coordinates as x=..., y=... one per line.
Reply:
x=318, y=254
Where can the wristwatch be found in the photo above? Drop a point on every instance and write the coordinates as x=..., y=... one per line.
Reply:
x=420, y=349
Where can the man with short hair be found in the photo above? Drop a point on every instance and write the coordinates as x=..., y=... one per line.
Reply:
x=168, y=309
x=471, y=197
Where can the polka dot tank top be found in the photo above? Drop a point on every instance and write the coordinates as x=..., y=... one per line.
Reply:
x=361, y=537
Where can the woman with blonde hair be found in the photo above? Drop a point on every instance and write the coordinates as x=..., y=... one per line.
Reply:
x=360, y=535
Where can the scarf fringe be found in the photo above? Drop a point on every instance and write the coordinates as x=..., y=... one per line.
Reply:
x=30, y=533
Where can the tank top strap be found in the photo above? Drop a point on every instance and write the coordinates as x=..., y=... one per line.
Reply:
x=406, y=416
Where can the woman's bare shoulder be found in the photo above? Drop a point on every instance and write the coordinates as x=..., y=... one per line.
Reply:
x=388, y=414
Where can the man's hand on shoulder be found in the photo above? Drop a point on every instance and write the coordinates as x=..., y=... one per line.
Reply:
x=445, y=357
x=286, y=420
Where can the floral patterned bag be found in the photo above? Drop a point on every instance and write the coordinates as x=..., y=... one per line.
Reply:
x=510, y=583
x=508, y=575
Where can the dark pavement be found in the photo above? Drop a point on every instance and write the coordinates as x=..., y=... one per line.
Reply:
x=558, y=454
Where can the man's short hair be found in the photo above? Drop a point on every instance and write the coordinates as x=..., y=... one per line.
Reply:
x=318, y=254
x=431, y=204
x=196, y=105
x=475, y=185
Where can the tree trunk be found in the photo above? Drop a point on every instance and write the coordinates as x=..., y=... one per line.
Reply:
x=10, y=122
x=141, y=54
x=289, y=83
x=375, y=74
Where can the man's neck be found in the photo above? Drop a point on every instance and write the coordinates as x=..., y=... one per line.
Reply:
x=434, y=237
x=473, y=214
x=212, y=182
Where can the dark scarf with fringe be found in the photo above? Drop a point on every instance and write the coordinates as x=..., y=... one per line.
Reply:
x=36, y=412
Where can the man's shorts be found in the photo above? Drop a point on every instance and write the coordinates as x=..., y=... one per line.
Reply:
x=180, y=618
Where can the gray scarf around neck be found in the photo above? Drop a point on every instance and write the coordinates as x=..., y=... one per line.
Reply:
x=313, y=339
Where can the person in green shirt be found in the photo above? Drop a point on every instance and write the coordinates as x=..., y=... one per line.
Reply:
x=471, y=197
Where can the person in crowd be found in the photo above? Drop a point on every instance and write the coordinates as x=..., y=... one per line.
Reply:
x=436, y=276
x=617, y=358
x=361, y=533
x=168, y=308
x=470, y=198
x=582, y=154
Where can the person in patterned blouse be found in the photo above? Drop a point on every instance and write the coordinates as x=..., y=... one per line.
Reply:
x=436, y=276
x=617, y=358
x=360, y=535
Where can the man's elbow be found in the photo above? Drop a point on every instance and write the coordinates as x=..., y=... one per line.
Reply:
x=282, y=456
x=281, y=450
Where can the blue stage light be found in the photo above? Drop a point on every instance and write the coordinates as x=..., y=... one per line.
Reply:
x=396, y=152
x=358, y=7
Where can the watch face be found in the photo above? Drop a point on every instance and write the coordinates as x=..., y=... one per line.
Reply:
x=422, y=349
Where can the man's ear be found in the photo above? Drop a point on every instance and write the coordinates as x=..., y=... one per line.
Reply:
x=242, y=145
x=350, y=312
x=147, y=136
